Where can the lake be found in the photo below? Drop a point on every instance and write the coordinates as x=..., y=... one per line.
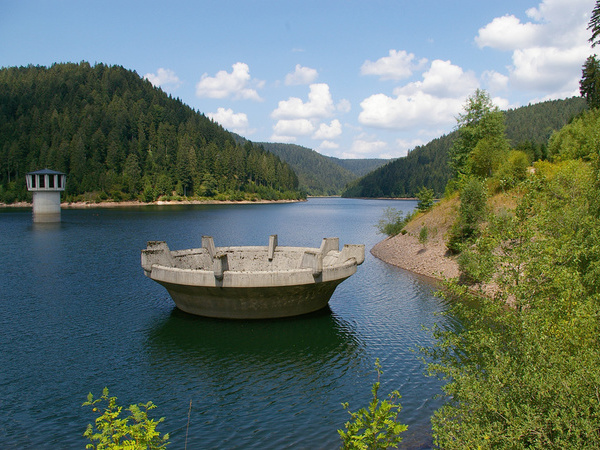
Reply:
x=78, y=314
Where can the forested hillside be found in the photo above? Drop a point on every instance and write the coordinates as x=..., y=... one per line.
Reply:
x=527, y=128
x=118, y=137
x=359, y=167
x=319, y=174
x=316, y=173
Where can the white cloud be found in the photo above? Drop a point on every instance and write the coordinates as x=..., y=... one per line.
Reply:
x=293, y=128
x=404, y=146
x=547, y=69
x=443, y=80
x=344, y=106
x=434, y=101
x=331, y=131
x=328, y=145
x=502, y=103
x=548, y=51
x=319, y=105
x=163, y=78
x=397, y=66
x=301, y=75
x=494, y=81
x=564, y=22
x=236, y=122
x=555, y=23
x=508, y=33
x=234, y=84
x=408, y=112
x=365, y=147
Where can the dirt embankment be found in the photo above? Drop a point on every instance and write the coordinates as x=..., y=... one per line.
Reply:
x=430, y=258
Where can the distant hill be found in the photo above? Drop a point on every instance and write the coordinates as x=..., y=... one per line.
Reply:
x=527, y=128
x=118, y=137
x=359, y=167
x=319, y=174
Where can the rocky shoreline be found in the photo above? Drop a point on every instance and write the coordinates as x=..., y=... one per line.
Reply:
x=431, y=258
x=405, y=251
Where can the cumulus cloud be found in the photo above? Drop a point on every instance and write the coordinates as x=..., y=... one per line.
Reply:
x=501, y=103
x=443, y=80
x=547, y=51
x=319, y=105
x=494, y=81
x=406, y=112
x=365, y=147
x=344, y=106
x=547, y=69
x=434, y=101
x=397, y=66
x=301, y=75
x=328, y=145
x=508, y=33
x=288, y=130
x=235, y=84
x=163, y=78
x=236, y=122
x=331, y=131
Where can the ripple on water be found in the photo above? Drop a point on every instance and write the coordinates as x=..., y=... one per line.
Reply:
x=80, y=315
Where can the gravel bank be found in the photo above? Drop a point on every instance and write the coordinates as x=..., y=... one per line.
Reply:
x=406, y=252
x=430, y=259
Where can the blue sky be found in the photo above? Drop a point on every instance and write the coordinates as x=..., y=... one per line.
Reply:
x=351, y=79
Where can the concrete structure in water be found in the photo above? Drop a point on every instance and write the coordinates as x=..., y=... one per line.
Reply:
x=46, y=186
x=251, y=282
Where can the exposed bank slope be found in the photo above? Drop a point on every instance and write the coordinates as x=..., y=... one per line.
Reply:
x=430, y=259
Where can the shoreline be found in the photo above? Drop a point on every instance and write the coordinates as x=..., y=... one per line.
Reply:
x=404, y=251
x=83, y=205
x=429, y=260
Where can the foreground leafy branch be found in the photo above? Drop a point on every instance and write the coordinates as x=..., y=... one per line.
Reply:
x=376, y=426
x=111, y=431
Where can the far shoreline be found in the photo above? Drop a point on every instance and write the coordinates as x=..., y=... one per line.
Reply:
x=132, y=203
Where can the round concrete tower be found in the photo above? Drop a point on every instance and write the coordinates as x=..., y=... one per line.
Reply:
x=46, y=186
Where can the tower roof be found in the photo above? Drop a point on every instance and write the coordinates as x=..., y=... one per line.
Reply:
x=45, y=171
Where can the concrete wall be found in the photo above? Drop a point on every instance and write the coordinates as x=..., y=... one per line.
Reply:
x=46, y=206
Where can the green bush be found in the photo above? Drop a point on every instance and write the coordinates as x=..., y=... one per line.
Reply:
x=513, y=170
x=111, y=431
x=393, y=221
x=375, y=427
x=423, y=235
x=472, y=211
x=521, y=371
x=426, y=198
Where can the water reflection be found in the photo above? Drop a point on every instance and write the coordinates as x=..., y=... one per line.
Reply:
x=265, y=373
x=194, y=340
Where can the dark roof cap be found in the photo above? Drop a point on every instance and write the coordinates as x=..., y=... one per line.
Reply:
x=45, y=172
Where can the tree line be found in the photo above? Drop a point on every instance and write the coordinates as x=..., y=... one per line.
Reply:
x=118, y=137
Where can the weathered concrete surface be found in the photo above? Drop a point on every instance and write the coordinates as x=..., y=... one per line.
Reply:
x=251, y=282
x=46, y=186
x=46, y=207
